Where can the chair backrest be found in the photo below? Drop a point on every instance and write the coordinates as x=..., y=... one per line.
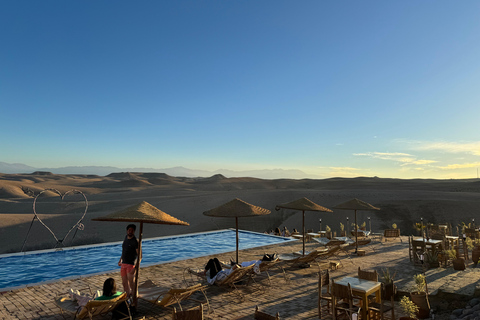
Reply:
x=236, y=275
x=368, y=275
x=191, y=314
x=267, y=265
x=342, y=292
x=388, y=233
x=175, y=295
x=309, y=257
x=324, y=278
x=97, y=307
x=259, y=315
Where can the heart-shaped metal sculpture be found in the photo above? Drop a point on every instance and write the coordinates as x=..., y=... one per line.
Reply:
x=78, y=225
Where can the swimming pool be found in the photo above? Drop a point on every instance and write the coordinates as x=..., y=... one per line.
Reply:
x=21, y=269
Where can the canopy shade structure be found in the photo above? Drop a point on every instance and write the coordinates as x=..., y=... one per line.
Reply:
x=303, y=205
x=355, y=204
x=236, y=208
x=141, y=213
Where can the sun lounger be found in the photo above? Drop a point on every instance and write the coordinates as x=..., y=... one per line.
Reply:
x=243, y=275
x=93, y=308
x=165, y=297
x=293, y=260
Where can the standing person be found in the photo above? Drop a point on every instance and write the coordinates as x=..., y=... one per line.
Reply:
x=128, y=259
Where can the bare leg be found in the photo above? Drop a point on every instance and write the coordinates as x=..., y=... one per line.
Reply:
x=126, y=285
x=130, y=282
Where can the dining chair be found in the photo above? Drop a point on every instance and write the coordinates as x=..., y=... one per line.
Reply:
x=342, y=301
x=324, y=281
x=368, y=275
x=381, y=308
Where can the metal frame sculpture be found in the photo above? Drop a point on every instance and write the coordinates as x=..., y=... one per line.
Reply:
x=78, y=225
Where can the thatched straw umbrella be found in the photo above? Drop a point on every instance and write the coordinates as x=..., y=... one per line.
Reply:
x=142, y=213
x=355, y=205
x=303, y=204
x=235, y=209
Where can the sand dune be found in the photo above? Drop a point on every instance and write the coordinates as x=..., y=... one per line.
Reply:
x=402, y=202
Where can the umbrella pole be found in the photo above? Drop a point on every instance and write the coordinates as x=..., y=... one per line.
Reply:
x=356, y=233
x=236, y=226
x=303, y=222
x=137, y=265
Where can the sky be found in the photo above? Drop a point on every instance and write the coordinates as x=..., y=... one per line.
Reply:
x=333, y=88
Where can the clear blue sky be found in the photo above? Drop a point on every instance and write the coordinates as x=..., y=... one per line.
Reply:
x=333, y=88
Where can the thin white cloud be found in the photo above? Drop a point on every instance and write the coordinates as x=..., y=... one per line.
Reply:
x=460, y=166
x=403, y=158
x=344, y=172
x=449, y=147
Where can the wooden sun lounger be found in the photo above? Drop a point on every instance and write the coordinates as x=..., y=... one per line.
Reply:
x=165, y=297
x=93, y=308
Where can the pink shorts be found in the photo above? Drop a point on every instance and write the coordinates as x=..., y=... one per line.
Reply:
x=126, y=268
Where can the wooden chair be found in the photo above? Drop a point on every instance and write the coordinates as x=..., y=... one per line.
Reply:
x=388, y=294
x=93, y=308
x=324, y=281
x=259, y=315
x=391, y=234
x=342, y=300
x=191, y=314
x=368, y=275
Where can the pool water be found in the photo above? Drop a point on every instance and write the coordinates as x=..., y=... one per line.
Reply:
x=33, y=267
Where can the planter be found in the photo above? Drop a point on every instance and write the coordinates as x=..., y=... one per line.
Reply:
x=421, y=300
x=435, y=264
x=458, y=264
x=390, y=290
x=476, y=254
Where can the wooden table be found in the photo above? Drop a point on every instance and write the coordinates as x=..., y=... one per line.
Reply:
x=430, y=245
x=363, y=288
x=453, y=241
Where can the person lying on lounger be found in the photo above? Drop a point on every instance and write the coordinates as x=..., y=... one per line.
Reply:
x=214, y=271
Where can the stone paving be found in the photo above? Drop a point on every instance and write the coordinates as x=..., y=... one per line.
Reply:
x=294, y=297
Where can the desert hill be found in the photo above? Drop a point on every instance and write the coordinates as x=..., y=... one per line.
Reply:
x=401, y=201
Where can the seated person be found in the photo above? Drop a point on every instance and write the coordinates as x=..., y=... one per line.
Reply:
x=109, y=290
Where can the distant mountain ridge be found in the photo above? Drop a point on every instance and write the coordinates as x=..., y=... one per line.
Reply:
x=12, y=168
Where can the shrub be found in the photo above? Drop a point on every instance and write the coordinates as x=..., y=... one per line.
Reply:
x=408, y=307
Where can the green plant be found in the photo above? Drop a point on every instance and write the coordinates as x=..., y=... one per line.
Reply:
x=472, y=243
x=420, y=282
x=387, y=275
x=342, y=226
x=355, y=226
x=464, y=225
x=328, y=229
x=450, y=254
x=431, y=257
x=418, y=226
x=363, y=225
x=394, y=226
x=408, y=307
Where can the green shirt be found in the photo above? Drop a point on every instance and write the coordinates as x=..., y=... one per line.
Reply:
x=116, y=295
